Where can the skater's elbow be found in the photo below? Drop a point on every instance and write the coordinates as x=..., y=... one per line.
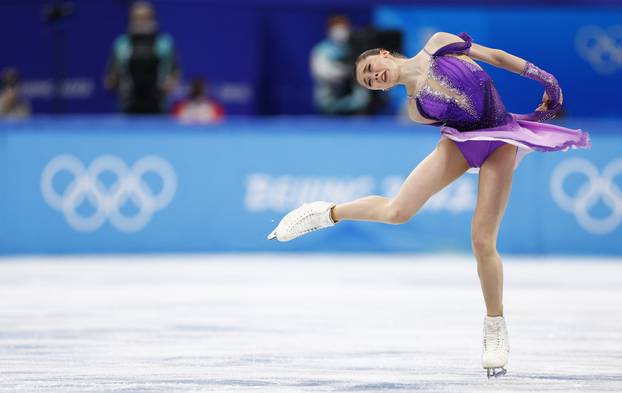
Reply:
x=499, y=57
x=502, y=58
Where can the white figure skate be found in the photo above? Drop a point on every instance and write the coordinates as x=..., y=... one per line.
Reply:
x=307, y=218
x=496, y=347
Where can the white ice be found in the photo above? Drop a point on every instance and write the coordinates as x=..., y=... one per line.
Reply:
x=303, y=324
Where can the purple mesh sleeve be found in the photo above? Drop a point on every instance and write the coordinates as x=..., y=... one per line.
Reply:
x=551, y=87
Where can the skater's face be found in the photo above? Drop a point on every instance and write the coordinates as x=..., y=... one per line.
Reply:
x=377, y=72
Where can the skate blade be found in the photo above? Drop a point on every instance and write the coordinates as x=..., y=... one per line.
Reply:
x=496, y=372
x=272, y=235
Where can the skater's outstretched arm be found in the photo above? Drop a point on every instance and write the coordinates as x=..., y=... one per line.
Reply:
x=496, y=57
x=499, y=58
x=502, y=59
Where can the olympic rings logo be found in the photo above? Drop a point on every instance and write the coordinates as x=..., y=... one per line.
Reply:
x=130, y=186
x=601, y=48
x=597, y=187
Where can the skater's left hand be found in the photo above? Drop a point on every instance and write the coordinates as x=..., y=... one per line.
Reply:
x=546, y=101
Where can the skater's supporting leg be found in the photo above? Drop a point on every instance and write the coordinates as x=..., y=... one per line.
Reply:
x=495, y=182
x=436, y=171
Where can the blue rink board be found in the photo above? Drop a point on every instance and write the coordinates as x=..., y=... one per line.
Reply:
x=109, y=185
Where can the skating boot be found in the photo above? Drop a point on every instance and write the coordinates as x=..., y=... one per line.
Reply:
x=307, y=218
x=496, y=347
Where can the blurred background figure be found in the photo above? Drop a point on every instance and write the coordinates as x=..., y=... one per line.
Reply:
x=197, y=107
x=12, y=105
x=335, y=91
x=143, y=67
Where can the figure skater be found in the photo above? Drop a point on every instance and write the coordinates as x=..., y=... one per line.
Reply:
x=446, y=87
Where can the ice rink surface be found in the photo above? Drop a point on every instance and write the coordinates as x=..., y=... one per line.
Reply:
x=303, y=324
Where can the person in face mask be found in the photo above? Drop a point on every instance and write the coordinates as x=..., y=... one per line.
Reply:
x=335, y=91
x=143, y=67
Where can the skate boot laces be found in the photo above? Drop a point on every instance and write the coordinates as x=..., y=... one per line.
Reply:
x=310, y=220
x=307, y=218
x=494, y=337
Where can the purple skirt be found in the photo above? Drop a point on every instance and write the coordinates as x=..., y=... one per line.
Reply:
x=476, y=146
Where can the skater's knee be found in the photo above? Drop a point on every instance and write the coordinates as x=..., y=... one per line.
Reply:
x=396, y=214
x=483, y=244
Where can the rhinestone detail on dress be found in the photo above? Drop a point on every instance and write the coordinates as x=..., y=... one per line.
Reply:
x=455, y=95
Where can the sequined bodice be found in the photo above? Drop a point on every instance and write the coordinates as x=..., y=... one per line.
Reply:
x=458, y=93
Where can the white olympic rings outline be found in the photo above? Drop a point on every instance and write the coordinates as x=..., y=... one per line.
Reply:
x=108, y=201
x=598, y=187
x=601, y=47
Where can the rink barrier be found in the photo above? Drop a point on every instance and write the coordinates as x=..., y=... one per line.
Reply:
x=113, y=185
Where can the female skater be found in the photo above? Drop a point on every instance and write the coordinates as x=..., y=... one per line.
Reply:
x=446, y=87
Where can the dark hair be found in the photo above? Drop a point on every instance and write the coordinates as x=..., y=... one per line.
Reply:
x=196, y=89
x=372, y=52
x=337, y=19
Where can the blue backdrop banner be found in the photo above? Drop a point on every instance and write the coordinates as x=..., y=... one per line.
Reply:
x=98, y=184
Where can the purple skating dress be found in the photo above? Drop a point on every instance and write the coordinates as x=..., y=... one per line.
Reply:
x=464, y=100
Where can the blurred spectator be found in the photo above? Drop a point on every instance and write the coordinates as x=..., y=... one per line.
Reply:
x=197, y=108
x=143, y=66
x=11, y=104
x=335, y=91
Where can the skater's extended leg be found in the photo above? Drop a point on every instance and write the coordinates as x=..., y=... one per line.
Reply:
x=436, y=171
x=495, y=182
